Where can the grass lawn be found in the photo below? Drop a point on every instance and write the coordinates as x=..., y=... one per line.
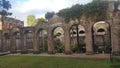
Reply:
x=51, y=62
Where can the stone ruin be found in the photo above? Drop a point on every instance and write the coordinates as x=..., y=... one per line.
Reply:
x=14, y=37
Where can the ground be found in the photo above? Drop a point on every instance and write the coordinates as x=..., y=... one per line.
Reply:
x=53, y=61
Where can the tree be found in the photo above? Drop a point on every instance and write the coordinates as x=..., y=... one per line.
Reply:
x=65, y=13
x=38, y=20
x=30, y=20
x=49, y=15
x=94, y=11
x=75, y=12
x=4, y=7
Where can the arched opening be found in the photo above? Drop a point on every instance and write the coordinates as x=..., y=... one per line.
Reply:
x=82, y=32
x=74, y=32
x=28, y=36
x=77, y=38
x=6, y=42
x=17, y=41
x=42, y=40
x=101, y=37
x=58, y=39
x=101, y=30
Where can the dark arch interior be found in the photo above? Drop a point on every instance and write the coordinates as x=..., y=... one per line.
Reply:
x=27, y=31
x=17, y=35
x=81, y=32
x=6, y=36
x=74, y=32
x=42, y=38
x=101, y=30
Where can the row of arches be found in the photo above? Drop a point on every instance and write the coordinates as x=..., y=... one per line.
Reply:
x=77, y=37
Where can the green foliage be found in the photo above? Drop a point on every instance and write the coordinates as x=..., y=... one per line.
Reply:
x=44, y=49
x=74, y=48
x=94, y=11
x=5, y=6
x=45, y=36
x=57, y=35
x=49, y=15
x=59, y=48
x=74, y=12
x=65, y=13
x=38, y=20
x=30, y=20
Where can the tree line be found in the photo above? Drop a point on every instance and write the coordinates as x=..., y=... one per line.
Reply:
x=95, y=10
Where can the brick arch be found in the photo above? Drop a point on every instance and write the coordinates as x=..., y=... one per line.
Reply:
x=83, y=29
x=101, y=35
x=41, y=40
x=76, y=38
x=40, y=29
x=101, y=25
x=50, y=30
x=25, y=40
x=16, y=41
x=53, y=28
x=107, y=28
x=6, y=41
x=73, y=23
x=52, y=34
x=27, y=29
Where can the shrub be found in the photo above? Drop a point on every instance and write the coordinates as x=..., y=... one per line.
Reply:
x=59, y=48
x=74, y=47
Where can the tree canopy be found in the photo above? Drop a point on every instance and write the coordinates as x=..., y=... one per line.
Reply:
x=40, y=20
x=74, y=12
x=4, y=7
x=94, y=11
x=32, y=21
x=49, y=15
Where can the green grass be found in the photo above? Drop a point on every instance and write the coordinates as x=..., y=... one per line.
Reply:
x=51, y=62
x=115, y=62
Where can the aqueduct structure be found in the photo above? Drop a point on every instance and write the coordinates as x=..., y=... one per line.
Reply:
x=95, y=35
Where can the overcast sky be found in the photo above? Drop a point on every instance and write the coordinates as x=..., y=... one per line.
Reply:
x=22, y=8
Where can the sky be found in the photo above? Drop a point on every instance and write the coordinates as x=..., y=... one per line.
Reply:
x=22, y=8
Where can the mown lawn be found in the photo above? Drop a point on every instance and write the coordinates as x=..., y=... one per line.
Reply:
x=51, y=62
